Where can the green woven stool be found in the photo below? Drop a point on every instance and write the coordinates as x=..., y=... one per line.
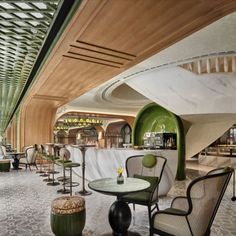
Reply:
x=68, y=216
x=5, y=165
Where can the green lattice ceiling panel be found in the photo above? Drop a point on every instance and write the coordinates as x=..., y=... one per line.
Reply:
x=23, y=28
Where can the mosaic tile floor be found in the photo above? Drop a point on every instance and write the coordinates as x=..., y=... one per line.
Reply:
x=25, y=207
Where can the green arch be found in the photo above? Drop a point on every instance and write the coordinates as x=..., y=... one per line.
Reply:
x=154, y=118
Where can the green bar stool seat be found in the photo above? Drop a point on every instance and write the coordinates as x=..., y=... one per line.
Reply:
x=5, y=165
x=68, y=215
x=64, y=177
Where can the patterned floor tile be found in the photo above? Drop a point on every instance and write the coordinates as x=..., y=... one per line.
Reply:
x=25, y=202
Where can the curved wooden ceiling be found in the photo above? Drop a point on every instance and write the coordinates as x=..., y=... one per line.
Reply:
x=106, y=37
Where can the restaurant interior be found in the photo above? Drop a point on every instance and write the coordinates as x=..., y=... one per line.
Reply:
x=117, y=117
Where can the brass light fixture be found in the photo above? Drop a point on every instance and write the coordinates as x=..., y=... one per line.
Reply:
x=77, y=122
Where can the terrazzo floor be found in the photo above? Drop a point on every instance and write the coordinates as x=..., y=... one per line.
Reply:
x=25, y=202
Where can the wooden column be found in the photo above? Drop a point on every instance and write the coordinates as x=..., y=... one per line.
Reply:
x=37, y=120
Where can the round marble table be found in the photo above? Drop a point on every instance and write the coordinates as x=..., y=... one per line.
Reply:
x=119, y=213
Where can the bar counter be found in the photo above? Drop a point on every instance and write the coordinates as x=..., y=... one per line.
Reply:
x=103, y=163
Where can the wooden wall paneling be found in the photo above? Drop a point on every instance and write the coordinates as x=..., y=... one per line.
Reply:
x=13, y=133
x=8, y=134
x=38, y=118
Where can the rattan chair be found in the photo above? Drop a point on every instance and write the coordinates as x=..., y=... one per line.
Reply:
x=193, y=215
x=150, y=168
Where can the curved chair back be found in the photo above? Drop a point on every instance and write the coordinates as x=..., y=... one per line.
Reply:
x=204, y=196
x=3, y=151
x=49, y=150
x=134, y=166
x=64, y=154
x=31, y=155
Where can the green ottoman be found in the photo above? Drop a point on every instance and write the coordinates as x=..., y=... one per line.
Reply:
x=68, y=216
x=5, y=165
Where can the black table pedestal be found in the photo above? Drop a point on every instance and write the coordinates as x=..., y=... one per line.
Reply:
x=119, y=218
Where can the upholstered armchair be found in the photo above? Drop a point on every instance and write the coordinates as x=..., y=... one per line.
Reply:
x=193, y=215
x=150, y=168
x=3, y=152
x=30, y=157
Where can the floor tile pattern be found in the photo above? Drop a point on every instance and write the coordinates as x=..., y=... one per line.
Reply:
x=25, y=207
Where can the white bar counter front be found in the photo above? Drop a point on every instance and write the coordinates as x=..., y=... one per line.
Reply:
x=103, y=163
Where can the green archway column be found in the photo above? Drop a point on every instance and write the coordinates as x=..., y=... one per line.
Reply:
x=152, y=118
x=180, y=174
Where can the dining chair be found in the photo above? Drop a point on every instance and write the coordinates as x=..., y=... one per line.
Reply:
x=3, y=152
x=30, y=157
x=193, y=215
x=150, y=168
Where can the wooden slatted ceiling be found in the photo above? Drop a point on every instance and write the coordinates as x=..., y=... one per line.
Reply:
x=108, y=36
x=139, y=28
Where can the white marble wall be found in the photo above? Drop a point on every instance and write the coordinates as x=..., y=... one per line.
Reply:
x=103, y=163
x=217, y=161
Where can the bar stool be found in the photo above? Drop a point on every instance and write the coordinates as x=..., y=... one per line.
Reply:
x=64, y=154
x=69, y=166
x=40, y=159
x=64, y=158
x=53, y=159
x=63, y=178
x=47, y=158
x=45, y=163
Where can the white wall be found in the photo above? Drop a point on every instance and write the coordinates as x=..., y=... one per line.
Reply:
x=200, y=135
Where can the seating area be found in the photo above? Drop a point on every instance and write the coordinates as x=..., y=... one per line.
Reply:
x=195, y=213
x=117, y=118
x=33, y=215
x=152, y=213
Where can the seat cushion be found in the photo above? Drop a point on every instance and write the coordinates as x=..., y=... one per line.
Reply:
x=153, y=180
x=23, y=160
x=172, y=224
x=71, y=164
x=143, y=196
x=137, y=197
x=67, y=205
